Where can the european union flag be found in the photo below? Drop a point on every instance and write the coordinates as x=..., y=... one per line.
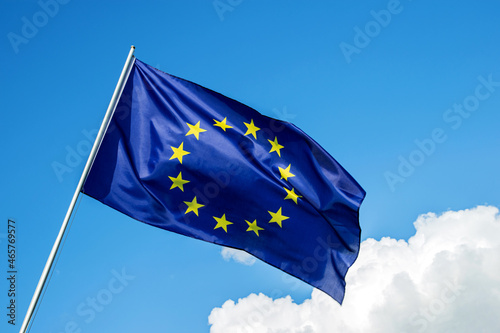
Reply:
x=186, y=159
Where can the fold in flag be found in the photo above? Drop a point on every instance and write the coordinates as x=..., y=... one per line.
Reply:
x=186, y=159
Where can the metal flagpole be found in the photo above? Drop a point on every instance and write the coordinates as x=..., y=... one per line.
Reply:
x=111, y=108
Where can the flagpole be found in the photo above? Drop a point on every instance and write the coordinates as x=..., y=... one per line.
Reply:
x=109, y=112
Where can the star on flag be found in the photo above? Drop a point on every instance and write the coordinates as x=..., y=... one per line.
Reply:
x=222, y=222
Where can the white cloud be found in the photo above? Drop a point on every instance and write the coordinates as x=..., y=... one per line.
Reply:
x=446, y=278
x=239, y=256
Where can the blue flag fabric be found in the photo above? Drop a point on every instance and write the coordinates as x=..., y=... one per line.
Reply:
x=186, y=159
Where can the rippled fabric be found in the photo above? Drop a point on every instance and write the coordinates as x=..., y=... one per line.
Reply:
x=186, y=159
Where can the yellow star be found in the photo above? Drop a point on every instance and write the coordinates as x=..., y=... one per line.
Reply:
x=222, y=124
x=285, y=173
x=195, y=130
x=278, y=217
x=193, y=206
x=178, y=182
x=179, y=152
x=275, y=146
x=292, y=195
x=251, y=129
x=252, y=226
x=222, y=222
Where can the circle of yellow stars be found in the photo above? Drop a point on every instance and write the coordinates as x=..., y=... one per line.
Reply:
x=222, y=222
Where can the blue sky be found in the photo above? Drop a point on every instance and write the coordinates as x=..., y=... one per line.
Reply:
x=405, y=95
